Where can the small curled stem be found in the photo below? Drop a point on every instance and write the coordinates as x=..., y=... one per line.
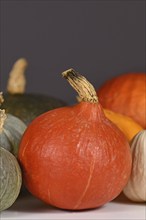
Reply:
x=83, y=87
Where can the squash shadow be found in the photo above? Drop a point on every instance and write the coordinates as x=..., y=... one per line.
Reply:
x=28, y=203
x=124, y=200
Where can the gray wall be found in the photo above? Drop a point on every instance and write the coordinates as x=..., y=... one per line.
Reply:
x=99, y=39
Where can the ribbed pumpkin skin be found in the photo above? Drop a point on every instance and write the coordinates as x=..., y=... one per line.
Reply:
x=10, y=179
x=28, y=106
x=136, y=186
x=126, y=94
x=11, y=133
x=74, y=158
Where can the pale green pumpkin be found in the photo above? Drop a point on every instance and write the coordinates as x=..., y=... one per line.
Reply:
x=10, y=179
x=11, y=131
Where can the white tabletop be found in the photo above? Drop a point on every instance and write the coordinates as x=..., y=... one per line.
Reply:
x=28, y=207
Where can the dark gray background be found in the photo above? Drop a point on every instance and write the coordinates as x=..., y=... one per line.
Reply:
x=99, y=39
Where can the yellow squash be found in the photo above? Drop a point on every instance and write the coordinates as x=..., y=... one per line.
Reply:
x=126, y=124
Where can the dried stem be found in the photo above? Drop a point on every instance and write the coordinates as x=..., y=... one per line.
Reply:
x=83, y=87
x=1, y=98
x=17, y=81
x=3, y=117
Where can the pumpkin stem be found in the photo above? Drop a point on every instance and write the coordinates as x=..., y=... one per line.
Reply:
x=1, y=98
x=17, y=82
x=83, y=87
x=3, y=117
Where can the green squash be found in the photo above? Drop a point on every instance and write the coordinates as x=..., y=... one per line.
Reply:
x=23, y=105
x=11, y=131
x=29, y=106
x=10, y=179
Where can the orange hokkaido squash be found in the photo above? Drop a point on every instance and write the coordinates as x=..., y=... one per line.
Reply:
x=126, y=94
x=74, y=157
x=126, y=124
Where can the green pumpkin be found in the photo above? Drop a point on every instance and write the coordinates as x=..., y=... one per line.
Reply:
x=22, y=105
x=29, y=106
x=10, y=179
x=11, y=131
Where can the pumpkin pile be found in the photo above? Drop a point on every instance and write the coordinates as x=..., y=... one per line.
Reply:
x=74, y=157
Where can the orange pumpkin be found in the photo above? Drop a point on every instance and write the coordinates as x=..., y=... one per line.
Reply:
x=126, y=124
x=74, y=157
x=126, y=94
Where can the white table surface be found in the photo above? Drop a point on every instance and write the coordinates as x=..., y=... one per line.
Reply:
x=28, y=207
